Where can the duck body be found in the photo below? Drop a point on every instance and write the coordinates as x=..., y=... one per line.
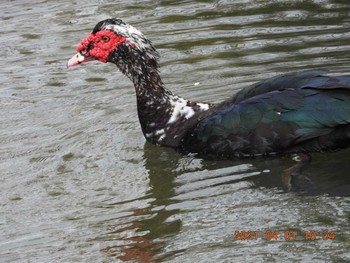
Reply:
x=296, y=112
x=304, y=111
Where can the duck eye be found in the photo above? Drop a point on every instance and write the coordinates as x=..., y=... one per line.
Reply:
x=105, y=38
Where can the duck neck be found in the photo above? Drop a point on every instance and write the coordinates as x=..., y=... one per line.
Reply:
x=164, y=117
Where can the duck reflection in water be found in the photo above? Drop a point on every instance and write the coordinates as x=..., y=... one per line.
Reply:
x=141, y=236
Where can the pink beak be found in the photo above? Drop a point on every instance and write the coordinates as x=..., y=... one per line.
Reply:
x=78, y=58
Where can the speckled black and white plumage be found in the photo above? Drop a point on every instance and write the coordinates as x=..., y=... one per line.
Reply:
x=164, y=117
x=297, y=112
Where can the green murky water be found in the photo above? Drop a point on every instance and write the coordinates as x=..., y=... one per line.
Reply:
x=78, y=183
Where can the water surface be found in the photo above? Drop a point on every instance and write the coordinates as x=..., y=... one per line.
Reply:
x=78, y=181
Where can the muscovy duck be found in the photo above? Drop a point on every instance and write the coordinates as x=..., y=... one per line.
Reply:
x=298, y=112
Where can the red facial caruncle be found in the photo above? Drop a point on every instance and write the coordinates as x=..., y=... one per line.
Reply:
x=102, y=44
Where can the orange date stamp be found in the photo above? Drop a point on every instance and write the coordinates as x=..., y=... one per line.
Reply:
x=287, y=235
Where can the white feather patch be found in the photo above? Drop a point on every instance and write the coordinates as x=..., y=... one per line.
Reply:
x=180, y=109
x=132, y=34
x=203, y=106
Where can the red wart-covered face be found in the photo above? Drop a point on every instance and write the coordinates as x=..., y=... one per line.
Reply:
x=96, y=47
x=113, y=40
